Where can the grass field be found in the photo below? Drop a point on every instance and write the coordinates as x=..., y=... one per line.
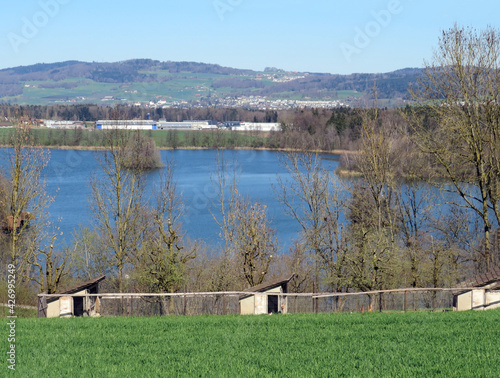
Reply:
x=464, y=344
x=163, y=138
x=21, y=312
x=179, y=86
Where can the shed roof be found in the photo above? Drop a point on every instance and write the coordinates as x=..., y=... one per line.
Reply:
x=268, y=285
x=484, y=279
x=84, y=285
x=78, y=288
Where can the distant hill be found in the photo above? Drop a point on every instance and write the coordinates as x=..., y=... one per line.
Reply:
x=141, y=80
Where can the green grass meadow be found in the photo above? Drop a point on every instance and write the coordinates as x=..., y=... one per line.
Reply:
x=163, y=138
x=464, y=344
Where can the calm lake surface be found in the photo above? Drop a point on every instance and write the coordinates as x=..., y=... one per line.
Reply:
x=68, y=174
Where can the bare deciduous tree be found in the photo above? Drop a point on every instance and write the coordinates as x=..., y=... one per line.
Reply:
x=254, y=242
x=141, y=153
x=249, y=242
x=312, y=198
x=89, y=258
x=162, y=260
x=27, y=200
x=51, y=267
x=117, y=204
x=462, y=87
x=224, y=179
x=373, y=227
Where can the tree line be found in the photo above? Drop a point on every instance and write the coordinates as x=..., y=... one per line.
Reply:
x=307, y=129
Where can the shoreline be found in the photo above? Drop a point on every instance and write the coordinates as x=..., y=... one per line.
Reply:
x=97, y=148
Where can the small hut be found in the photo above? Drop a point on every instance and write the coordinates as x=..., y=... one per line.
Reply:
x=270, y=301
x=78, y=304
x=485, y=294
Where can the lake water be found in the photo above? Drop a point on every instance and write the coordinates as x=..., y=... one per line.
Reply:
x=68, y=174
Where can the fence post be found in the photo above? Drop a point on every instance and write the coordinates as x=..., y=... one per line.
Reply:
x=405, y=308
x=185, y=304
x=42, y=307
x=380, y=302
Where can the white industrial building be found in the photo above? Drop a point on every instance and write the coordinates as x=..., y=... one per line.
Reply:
x=186, y=125
x=62, y=124
x=254, y=126
x=154, y=125
x=260, y=126
x=162, y=124
x=126, y=124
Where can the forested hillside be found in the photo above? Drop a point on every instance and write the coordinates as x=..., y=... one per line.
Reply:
x=144, y=80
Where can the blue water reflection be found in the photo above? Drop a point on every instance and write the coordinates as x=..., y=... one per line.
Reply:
x=69, y=171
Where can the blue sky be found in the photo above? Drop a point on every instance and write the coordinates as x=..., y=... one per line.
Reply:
x=297, y=35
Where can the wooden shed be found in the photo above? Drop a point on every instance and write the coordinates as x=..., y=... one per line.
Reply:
x=485, y=294
x=268, y=303
x=78, y=304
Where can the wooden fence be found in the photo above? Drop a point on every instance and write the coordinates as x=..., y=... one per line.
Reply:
x=228, y=302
